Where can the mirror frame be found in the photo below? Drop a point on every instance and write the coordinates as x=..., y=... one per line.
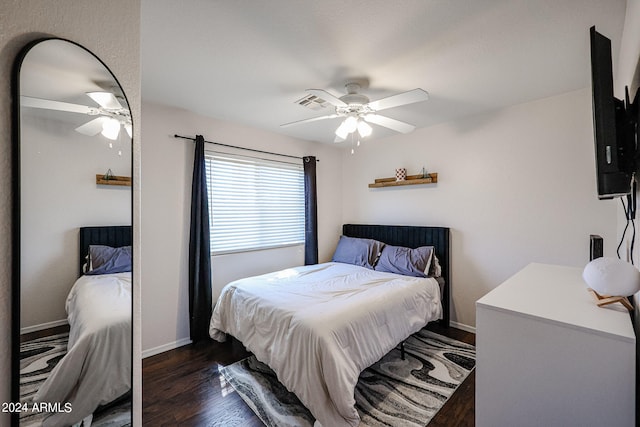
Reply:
x=16, y=216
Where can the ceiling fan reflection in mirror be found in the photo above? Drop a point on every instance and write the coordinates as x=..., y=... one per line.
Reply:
x=358, y=111
x=112, y=115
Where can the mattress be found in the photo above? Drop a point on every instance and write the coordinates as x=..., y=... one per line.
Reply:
x=97, y=366
x=318, y=327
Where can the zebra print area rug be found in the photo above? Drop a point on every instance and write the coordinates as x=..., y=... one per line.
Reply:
x=392, y=392
x=37, y=359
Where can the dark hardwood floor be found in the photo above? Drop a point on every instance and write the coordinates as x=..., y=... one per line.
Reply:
x=182, y=387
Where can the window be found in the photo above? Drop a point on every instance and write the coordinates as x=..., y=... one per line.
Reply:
x=253, y=203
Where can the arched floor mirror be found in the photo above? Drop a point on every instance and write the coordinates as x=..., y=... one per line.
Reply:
x=72, y=305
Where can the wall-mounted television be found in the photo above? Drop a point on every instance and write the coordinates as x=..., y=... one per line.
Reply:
x=614, y=124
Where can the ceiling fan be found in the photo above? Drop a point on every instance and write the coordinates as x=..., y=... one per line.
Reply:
x=358, y=111
x=111, y=114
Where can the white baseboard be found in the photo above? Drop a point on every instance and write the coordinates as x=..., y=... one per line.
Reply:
x=462, y=326
x=165, y=347
x=43, y=326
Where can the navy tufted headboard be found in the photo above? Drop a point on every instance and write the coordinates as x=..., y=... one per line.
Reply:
x=114, y=236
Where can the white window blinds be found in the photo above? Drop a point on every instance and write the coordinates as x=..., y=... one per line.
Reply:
x=254, y=203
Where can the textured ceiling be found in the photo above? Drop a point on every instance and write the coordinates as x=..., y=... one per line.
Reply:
x=248, y=61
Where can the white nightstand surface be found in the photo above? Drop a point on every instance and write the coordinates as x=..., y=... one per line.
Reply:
x=558, y=294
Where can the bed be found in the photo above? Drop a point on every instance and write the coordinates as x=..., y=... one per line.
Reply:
x=96, y=369
x=319, y=326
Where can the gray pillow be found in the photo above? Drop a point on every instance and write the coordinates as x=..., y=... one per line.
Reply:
x=362, y=252
x=405, y=261
x=107, y=260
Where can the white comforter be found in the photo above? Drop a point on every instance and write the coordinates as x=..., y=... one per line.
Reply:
x=97, y=366
x=318, y=327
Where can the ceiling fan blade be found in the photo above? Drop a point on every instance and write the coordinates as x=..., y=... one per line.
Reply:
x=404, y=98
x=93, y=127
x=313, y=119
x=47, y=104
x=390, y=123
x=105, y=100
x=320, y=93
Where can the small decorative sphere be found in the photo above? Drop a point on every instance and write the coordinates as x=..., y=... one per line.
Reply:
x=612, y=276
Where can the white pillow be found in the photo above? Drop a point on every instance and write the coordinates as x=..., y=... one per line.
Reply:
x=612, y=276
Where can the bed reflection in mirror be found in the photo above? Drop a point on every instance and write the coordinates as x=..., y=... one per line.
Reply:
x=75, y=310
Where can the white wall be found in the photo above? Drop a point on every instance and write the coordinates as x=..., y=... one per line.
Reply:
x=91, y=24
x=515, y=186
x=627, y=69
x=166, y=193
x=58, y=195
x=628, y=74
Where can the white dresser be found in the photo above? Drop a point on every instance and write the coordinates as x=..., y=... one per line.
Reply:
x=548, y=356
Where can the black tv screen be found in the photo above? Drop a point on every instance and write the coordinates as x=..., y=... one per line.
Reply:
x=614, y=145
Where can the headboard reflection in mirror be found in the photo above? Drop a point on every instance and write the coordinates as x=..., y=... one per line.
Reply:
x=72, y=337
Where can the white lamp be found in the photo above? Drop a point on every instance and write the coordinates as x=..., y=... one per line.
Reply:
x=611, y=280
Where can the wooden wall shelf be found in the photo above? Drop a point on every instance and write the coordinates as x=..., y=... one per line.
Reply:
x=113, y=180
x=411, y=180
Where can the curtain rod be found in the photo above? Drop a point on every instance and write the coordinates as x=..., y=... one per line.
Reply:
x=241, y=148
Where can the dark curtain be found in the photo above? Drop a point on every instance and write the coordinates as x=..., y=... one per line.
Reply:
x=199, y=253
x=310, y=211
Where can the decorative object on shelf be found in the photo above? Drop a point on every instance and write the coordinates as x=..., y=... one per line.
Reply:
x=611, y=280
x=401, y=174
x=110, y=179
x=432, y=178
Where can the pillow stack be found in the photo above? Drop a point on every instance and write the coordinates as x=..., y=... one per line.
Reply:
x=375, y=255
x=108, y=260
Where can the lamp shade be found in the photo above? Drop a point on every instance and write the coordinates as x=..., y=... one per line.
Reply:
x=364, y=129
x=612, y=276
x=342, y=131
x=350, y=124
x=111, y=129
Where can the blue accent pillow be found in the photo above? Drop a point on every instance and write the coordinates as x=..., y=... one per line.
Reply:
x=406, y=261
x=362, y=252
x=107, y=260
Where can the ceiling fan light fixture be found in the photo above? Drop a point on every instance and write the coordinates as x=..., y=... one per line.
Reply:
x=350, y=124
x=342, y=131
x=364, y=129
x=111, y=129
